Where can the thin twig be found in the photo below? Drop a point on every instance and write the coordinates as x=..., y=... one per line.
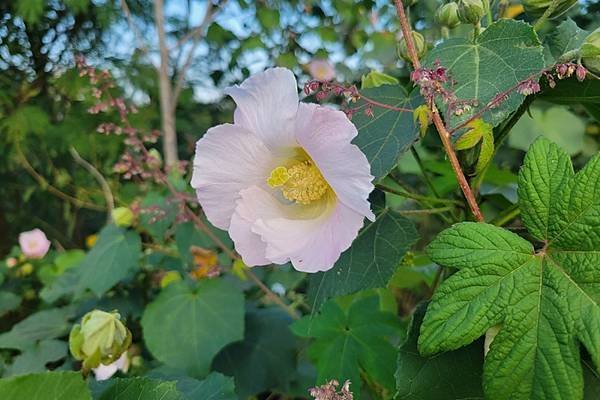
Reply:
x=415, y=196
x=425, y=211
x=136, y=32
x=437, y=120
x=196, y=35
x=108, y=196
x=47, y=186
x=424, y=172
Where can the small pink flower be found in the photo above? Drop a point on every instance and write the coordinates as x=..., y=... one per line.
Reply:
x=284, y=179
x=104, y=372
x=11, y=262
x=34, y=244
x=321, y=70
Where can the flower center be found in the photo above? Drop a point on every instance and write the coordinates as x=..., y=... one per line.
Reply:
x=302, y=182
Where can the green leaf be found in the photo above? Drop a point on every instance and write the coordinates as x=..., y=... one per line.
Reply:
x=45, y=386
x=268, y=17
x=370, y=261
x=46, y=324
x=141, y=388
x=556, y=123
x=566, y=37
x=435, y=378
x=545, y=301
x=35, y=357
x=8, y=302
x=30, y=10
x=115, y=255
x=268, y=342
x=185, y=327
x=506, y=53
x=351, y=340
x=388, y=133
x=214, y=387
x=159, y=217
x=375, y=79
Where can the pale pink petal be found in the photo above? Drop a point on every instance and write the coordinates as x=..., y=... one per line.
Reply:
x=326, y=134
x=311, y=238
x=34, y=243
x=104, y=372
x=228, y=159
x=266, y=105
x=321, y=70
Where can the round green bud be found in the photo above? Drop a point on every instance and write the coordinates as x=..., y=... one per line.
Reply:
x=420, y=46
x=123, y=217
x=536, y=8
x=447, y=15
x=470, y=11
x=101, y=338
x=590, y=52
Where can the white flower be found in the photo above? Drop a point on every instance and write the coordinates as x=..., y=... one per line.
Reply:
x=284, y=179
x=104, y=372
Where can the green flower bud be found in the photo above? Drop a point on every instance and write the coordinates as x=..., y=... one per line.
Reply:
x=536, y=8
x=154, y=159
x=123, y=216
x=470, y=11
x=420, y=46
x=447, y=15
x=100, y=339
x=590, y=51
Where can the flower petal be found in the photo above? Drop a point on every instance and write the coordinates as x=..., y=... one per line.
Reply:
x=267, y=103
x=104, y=372
x=326, y=135
x=311, y=244
x=228, y=159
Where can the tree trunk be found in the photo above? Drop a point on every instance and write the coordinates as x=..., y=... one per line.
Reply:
x=167, y=110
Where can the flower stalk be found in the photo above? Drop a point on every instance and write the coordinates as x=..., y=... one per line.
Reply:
x=437, y=120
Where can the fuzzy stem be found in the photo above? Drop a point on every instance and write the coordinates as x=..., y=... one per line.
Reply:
x=540, y=22
x=437, y=120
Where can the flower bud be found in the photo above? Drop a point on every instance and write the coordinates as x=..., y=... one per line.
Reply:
x=122, y=216
x=447, y=15
x=101, y=338
x=590, y=51
x=420, y=46
x=154, y=159
x=536, y=8
x=470, y=11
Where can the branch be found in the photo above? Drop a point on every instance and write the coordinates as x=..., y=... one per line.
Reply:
x=108, y=196
x=47, y=186
x=196, y=34
x=136, y=32
x=437, y=120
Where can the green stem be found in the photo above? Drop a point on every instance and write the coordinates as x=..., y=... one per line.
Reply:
x=425, y=211
x=415, y=196
x=426, y=177
x=488, y=12
x=540, y=22
x=476, y=30
x=506, y=216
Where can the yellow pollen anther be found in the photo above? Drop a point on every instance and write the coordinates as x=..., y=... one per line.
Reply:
x=278, y=177
x=302, y=182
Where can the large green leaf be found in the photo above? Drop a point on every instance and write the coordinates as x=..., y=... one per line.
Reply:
x=566, y=37
x=370, y=261
x=141, y=388
x=185, y=327
x=8, y=302
x=45, y=386
x=545, y=301
x=352, y=340
x=214, y=387
x=35, y=357
x=387, y=134
x=46, y=324
x=556, y=123
x=115, y=255
x=268, y=342
x=435, y=378
x=506, y=53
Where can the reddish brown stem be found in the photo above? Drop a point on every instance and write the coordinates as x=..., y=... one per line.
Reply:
x=437, y=120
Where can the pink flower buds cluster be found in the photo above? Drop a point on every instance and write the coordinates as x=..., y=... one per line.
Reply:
x=528, y=87
x=566, y=70
x=322, y=90
x=432, y=81
x=329, y=391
